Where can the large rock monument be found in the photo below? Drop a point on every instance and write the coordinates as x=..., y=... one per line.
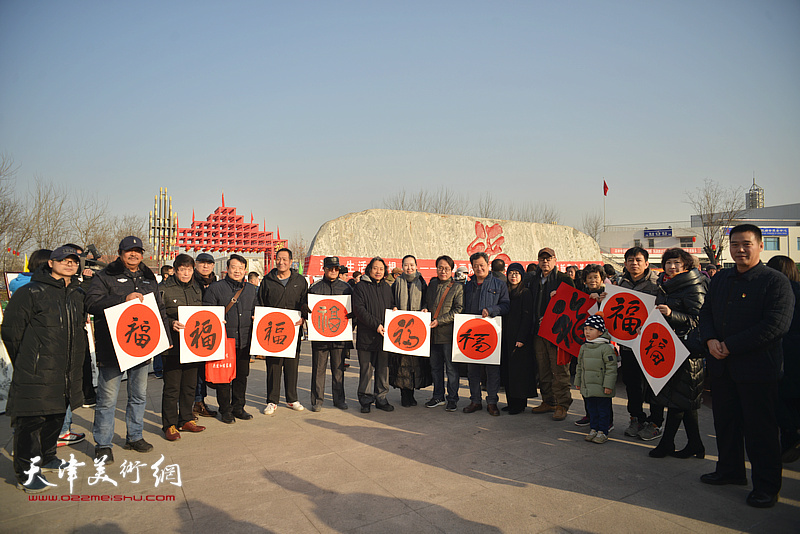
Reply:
x=391, y=234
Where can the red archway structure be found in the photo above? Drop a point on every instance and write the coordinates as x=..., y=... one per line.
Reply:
x=225, y=231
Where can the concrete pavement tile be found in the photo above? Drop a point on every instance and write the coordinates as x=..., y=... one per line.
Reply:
x=44, y=517
x=627, y=519
x=419, y=485
x=349, y=506
x=263, y=512
x=484, y=511
x=491, y=466
x=315, y=474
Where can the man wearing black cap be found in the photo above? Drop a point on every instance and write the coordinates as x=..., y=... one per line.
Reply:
x=126, y=278
x=204, y=276
x=553, y=376
x=43, y=333
x=320, y=350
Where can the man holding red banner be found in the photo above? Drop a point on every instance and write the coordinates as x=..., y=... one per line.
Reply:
x=746, y=313
x=487, y=296
x=639, y=277
x=553, y=375
x=321, y=350
x=124, y=279
x=239, y=299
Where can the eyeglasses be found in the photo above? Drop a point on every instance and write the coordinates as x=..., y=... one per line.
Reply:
x=68, y=262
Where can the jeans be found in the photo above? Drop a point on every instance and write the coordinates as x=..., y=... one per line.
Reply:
x=67, y=422
x=492, y=382
x=441, y=359
x=108, y=382
x=599, y=409
x=201, y=391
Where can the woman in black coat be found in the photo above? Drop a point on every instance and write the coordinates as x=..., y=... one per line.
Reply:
x=409, y=372
x=517, y=359
x=372, y=296
x=682, y=290
x=43, y=334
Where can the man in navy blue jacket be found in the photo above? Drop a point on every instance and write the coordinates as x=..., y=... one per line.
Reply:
x=746, y=313
x=487, y=296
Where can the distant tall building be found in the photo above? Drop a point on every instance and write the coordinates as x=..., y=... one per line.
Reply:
x=755, y=196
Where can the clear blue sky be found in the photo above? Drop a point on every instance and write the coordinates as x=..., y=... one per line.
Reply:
x=304, y=111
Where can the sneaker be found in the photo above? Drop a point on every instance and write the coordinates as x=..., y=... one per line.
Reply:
x=140, y=445
x=591, y=435
x=634, y=428
x=600, y=438
x=70, y=438
x=270, y=409
x=649, y=432
x=90, y=403
x=610, y=428
x=452, y=406
x=583, y=421
x=316, y=408
x=37, y=485
x=433, y=403
x=104, y=454
x=296, y=406
x=52, y=466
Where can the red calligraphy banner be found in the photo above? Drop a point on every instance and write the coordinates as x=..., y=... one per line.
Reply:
x=562, y=323
x=624, y=312
x=275, y=332
x=328, y=320
x=137, y=332
x=407, y=332
x=476, y=339
x=203, y=336
x=659, y=351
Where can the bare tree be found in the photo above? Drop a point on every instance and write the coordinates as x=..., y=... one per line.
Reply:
x=487, y=208
x=50, y=211
x=718, y=207
x=10, y=213
x=592, y=224
x=297, y=244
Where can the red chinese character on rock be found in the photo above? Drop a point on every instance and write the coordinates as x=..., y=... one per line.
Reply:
x=488, y=239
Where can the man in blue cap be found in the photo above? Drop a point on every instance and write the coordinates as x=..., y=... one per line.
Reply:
x=126, y=278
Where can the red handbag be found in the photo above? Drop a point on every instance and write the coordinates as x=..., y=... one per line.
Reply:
x=223, y=371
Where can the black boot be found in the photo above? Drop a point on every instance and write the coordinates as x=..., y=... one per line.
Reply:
x=695, y=445
x=405, y=398
x=667, y=444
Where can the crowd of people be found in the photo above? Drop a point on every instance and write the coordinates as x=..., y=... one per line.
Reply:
x=739, y=324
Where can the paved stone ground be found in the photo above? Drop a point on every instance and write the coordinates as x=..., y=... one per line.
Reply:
x=413, y=470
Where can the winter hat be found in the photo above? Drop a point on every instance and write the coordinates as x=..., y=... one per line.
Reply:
x=516, y=267
x=596, y=321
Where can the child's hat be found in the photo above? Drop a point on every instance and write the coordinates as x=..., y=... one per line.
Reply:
x=596, y=321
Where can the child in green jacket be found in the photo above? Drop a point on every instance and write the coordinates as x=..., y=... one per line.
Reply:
x=596, y=377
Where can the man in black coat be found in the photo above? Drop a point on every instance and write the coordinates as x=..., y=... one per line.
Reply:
x=241, y=296
x=43, y=334
x=746, y=313
x=283, y=288
x=330, y=284
x=126, y=278
x=553, y=377
x=204, y=276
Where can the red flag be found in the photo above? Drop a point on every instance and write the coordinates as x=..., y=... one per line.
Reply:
x=605, y=188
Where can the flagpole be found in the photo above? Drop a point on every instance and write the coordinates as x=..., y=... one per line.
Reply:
x=604, y=203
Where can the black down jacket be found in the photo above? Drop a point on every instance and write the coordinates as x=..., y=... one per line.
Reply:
x=684, y=294
x=44, y=335
x=110, y=287
x=371, y=299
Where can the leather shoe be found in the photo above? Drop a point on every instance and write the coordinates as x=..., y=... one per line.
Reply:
x=715, y=479
x=191, y=426
x=473, y=407
x=760, y=499
x=201, y=409
x=172, y=434
x=365, y=408
x=243, y=415
x=341, y=405
x=386, y=407
x=560, y=413
x=543, y=408
x=228, y=418
x=492, y=409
